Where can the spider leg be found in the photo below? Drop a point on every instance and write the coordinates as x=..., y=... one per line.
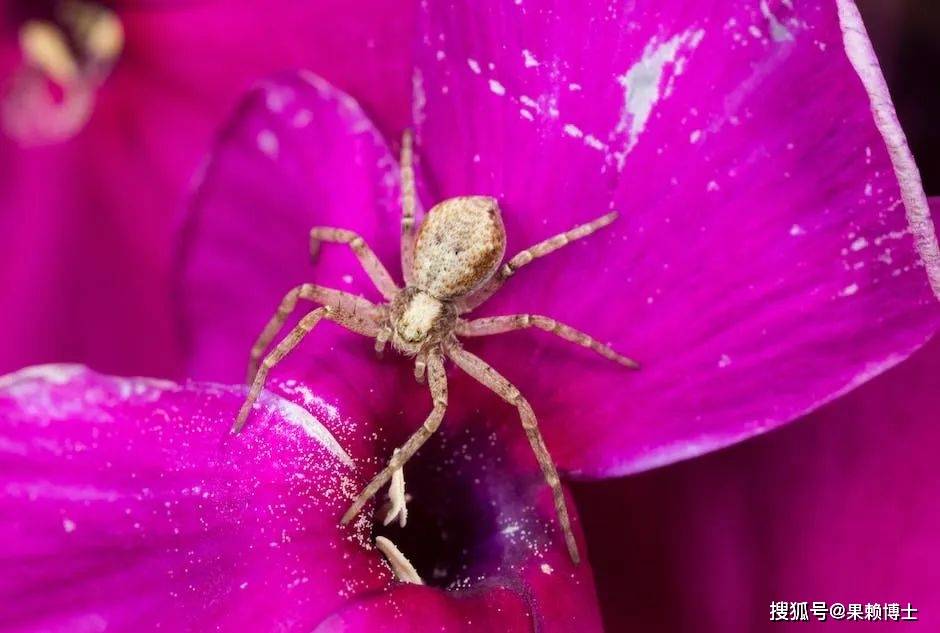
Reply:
x=488, y=326
x=307, y=323
x=421, y=363
x=483, y=372
x=381, y=340
x=343, y=301
x=438, y=384
x=530, y=254
x=367, y=257
x=408, y=204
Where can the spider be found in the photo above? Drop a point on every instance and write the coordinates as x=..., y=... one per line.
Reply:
x=451, y=266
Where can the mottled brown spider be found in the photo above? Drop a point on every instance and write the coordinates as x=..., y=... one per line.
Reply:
x=450, y=267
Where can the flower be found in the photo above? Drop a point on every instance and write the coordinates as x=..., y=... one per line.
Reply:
x=774, y=250
x=98, y=149
x=841, y=508
x=126, y=505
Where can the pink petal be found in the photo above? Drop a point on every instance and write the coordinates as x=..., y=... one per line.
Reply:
x=495, y=610
x=127, y=505
x=841, y=507
x=774, y=249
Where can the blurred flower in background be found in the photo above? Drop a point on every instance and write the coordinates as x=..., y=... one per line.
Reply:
x=106, y=113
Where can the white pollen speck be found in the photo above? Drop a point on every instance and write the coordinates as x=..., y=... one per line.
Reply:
x=712, y=186
x=476, y=158
x=849, y=290
x=641, y=85
x=573, y=87
x=302, y=118
x=573, y=130
x=778, y=32
x=594, y=143
x=439, y=55
x=756, y=32
x=868, y=190
x=695, y=136
x=859, y=244
x=474, y=65
x=546, y=568
x=268, y=144
x=347, y=279
x=243, y=585
x=724, y=361
x=796, y=229
x=497, y=88
x=68, y=525
x=529, y=59
x=526, y=114
x=276, y=98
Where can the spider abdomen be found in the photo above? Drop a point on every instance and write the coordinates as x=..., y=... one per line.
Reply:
x=459, y=246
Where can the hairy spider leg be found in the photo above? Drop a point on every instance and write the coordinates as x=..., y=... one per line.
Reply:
x=307, y=323
x=373, y=266
x=530, y=254
x=408, y=205
x=487, y=326
x=343, y=301
x=489, y=377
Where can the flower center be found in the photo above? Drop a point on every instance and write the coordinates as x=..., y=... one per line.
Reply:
x=451, y=534
x=67, y=52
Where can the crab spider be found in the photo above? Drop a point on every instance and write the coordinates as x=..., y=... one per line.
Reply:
x=451, y=266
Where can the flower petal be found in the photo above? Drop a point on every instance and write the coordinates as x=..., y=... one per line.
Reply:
x=299, y=153
x=841, y=507
x=774, y=239
x=126, y=505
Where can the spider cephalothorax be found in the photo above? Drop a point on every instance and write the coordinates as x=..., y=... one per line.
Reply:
x=451, y=266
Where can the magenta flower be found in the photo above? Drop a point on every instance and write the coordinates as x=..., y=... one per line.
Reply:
x=98, y=146
x=127, y=506
x=775, y=250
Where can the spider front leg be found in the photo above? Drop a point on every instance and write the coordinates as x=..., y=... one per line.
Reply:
x=307, y=323
x=343, y=301
x=483, y=372
x=409, y=201
x=367, y=257
x=438, y=384
x=488, y=326
x=543, y=248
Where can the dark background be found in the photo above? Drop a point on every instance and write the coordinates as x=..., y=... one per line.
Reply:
x=906, y=35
